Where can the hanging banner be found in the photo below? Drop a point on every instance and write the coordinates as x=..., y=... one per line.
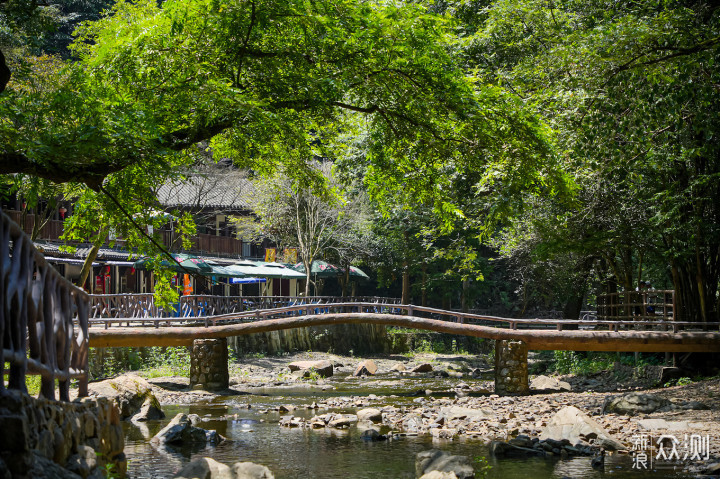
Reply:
x=270, y=255
x=290, y=255
x=187, y=287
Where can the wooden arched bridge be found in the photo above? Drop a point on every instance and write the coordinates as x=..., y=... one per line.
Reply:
x=47, y=324
x=132, y=324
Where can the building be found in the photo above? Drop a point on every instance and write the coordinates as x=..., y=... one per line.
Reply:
x=212, y=197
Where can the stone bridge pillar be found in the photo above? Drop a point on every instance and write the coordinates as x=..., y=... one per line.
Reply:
x=209, y=364
x=511, y=368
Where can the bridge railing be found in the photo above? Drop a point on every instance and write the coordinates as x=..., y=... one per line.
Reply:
x=39, y=307
x=310, y=309
x=143, y=305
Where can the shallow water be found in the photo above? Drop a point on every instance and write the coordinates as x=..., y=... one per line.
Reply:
x=330, y=454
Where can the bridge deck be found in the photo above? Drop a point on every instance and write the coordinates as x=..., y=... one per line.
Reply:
x=639, y=336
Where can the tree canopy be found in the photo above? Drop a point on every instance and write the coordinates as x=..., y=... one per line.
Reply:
x=584, y=131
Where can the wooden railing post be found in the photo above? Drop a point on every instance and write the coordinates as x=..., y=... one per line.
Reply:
x=41, y=304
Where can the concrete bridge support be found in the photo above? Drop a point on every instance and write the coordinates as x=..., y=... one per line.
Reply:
x=511, y=368
x=209, y=364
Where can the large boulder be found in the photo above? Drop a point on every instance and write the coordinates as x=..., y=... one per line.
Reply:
x=366, y=368
x=572, y=424
x=632, y=404
x=149, y=411
x=436, y=460
x=450, y=413
x=548, y=384
x=182, y=430
x=323, y=368
x=130, y=392
x=370, y=414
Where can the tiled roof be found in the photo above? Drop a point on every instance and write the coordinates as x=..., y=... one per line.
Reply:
x=53, y=249
x=217, y=190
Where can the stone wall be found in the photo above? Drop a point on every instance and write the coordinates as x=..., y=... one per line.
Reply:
x=511, y=368
x=209, y=364
x=43, y=438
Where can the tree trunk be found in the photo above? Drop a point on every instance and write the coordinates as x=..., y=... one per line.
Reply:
x=574, y=304
x=405, y=284
x=307, y=278
x=87, y=266
x=465, y=292
x=423, y=301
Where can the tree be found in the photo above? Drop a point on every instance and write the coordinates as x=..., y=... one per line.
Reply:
x=630, y=90
x=275, y=80
x=315, y=221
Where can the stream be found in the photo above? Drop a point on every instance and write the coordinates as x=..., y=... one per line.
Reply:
x=250, y=424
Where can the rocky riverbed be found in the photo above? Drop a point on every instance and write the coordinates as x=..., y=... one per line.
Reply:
x=460, y=403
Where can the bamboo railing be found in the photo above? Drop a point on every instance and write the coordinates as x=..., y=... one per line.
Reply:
x=135, y=306
x=39, y=307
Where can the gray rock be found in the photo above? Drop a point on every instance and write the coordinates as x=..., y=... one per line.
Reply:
x=205, y=468
x=150, y=410
x=422, y=368
x=546, y=383
x=250, y=470
x=44, y=468
x=499, y=449
x=635, y=403
x=129, y=391
x=372, y=435
x=712, y=469
x=521, y=441
x=458, y=412
x=694, y=406
x=366, y=368
x=369, y=414
x=572, y=425
x=82, y=463
x=342, y=421
x=323, y=368
x=436, y=460
x=182, y=431
x=439, y=475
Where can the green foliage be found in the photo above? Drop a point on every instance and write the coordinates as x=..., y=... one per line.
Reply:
x=312, y=375
x=149, y=361
x=685, y=381
x=566, y=362
x=482, y=467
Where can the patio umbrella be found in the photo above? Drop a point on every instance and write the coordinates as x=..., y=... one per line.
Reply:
x=319, y=269
x=356, y=272
x=188, y=264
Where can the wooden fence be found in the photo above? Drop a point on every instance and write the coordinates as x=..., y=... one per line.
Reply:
x=646, y=305
x=144, y=306
x=39, y=308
